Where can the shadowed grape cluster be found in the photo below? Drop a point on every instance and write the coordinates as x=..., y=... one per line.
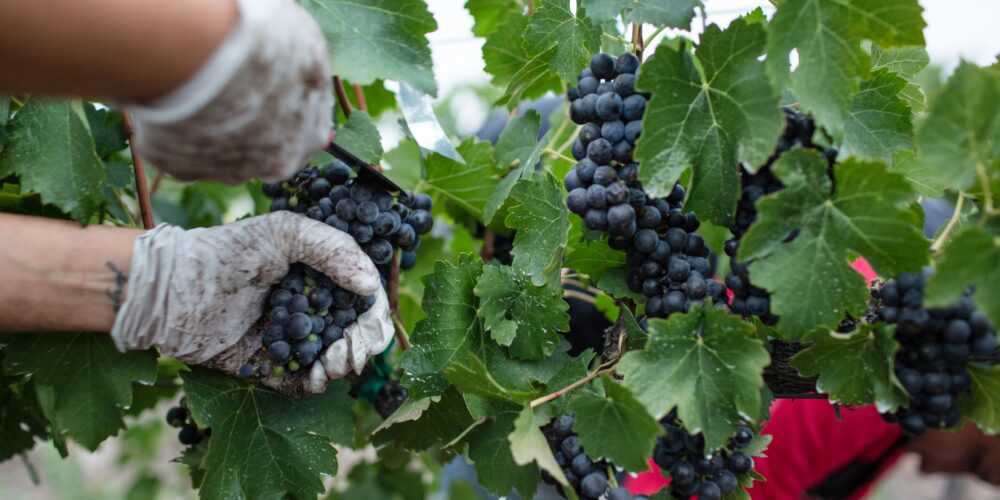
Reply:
x=750, y=300
x=936, y=344
x=180, y=417
x=668, y=260
x=695, y=472
x=588, y=478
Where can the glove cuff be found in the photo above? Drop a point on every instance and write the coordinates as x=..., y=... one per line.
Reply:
x=140, y=323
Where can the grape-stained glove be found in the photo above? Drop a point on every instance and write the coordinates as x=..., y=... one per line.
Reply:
x=195, y=295
x=259, y=107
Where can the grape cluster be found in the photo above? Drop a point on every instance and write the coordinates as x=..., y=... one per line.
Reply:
x=935, y=345
x=588, y=478
x=180, y=417
x=668, y=259
x=750, y=300
x=695, y=472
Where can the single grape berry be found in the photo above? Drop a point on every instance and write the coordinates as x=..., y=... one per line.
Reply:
x=602, y=66
x=176, y=416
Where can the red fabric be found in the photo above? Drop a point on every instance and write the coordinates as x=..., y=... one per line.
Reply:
x=809, y=443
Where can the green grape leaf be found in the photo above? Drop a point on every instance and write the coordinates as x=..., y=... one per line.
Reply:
x=970, y=258
x=467, y=186
x=108, y=129
x=708, y=114
x=878, y=121
x=905, y=62
x=615, y=283
x=87, y=382
x=51, y=149
x=705, y=363
x=670, y=13
x=962, y=129
x=404, y=164
x=510, y=305
x=594, y=258
x=487, y=371
x=21, y=417
x=523, y=76
x=430, y=421
x=391, y=34
x=827, y=36
x=378, y=98
x=360, y=137
x=541, y=220
x=854, y=369
x=574, y=37
x=491, y=453
x=490, y=14
x=810, y=278
x=450, y=329
x=472, y=376
x=517, y=148
x=982, y=403
x=4, y=110
x=528, y=444
x=921, y=178
x=258, y=433
x=635, y=430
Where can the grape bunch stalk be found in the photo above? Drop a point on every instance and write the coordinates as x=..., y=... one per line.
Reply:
x=588, y=477
x=936, y=345
x=692, y=470
x=307, y=312
x=180, y=417
x=668, y=260
x=748, y=299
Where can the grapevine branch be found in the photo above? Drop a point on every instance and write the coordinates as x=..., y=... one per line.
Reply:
x=342, y=100
x=141, y=186
x=637, y=40
x=489, y=238
x=359, y=95
x=601, y=370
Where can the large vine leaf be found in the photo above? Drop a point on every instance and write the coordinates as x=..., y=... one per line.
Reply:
x=574, y=37
x=391, y=36
x=917, y=173
x=495, y=465
x=263, y=444
x=490, y=14
x=466, y=186
x=705, y=363
x=528, y=444
x=827, y=35
x=854, y=369
x=523, y=76
x=982, y=403
x=615, y=426
x=422, y=423
x=810, y=278
x=489, y=372
x=906, y=62
x=541, y=220
x=360, y=137
x=85, y=382
x=670, y=13
x=450, y=329
x=511, y=306
x=878, y=122
x=519, y=149
x=472, y=376
x=971, y=258
x=962, y=129
x=708, y=114
x=108, y=129
x=594, y=258
x=51, y=149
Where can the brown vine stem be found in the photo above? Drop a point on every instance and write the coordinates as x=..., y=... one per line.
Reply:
x=156, y=183
x=342, y=100
x=141, y=186
x=489, y=240
x=637, y=40
x=601, y=370
x=359, y=96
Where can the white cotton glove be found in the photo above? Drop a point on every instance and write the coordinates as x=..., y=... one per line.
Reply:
x=260, y=107
x=197, y=295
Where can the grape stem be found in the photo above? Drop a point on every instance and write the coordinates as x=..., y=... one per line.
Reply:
x=141, y=186
x=486, y=252
x=401, y=336
x=601, y=370
x=556, y=154
x=628, y=45
x=652, y=36
x=984, y=179
x=359, y=95
x=951, y=223
x=342, y=100
x=573, y=294
x=569, y=142
x=637, y=43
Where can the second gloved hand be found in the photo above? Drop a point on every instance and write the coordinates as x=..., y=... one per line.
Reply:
x=196, y=294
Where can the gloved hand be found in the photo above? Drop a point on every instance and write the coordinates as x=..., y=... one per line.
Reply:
x=196, y=295
x=258, y=108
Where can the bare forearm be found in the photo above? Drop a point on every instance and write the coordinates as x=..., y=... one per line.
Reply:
x=128, y=50
x=60, y=277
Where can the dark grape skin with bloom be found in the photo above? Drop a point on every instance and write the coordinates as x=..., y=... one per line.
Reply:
x=936, y=346
x=180, y=417
x=589, y=478
x=668, y=259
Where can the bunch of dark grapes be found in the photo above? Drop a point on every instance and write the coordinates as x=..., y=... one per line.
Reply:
x=695, y=472
x=668, y=259
x=588, y=478
x=936, y=343
x=750, y=300
x=180, y=417
x=307, y=312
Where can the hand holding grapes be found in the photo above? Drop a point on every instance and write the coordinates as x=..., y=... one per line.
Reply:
x=195, y=295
